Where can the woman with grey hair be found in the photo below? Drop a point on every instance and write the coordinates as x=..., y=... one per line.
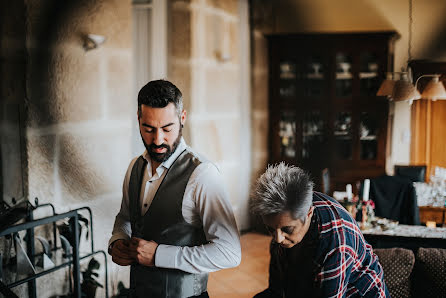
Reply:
x=317, y=249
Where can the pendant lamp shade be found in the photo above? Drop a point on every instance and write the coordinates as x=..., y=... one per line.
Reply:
x=434, y=89
x=386, y=88
x=405, y=90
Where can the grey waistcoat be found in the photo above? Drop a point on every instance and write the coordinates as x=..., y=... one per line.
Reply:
x=164, y=223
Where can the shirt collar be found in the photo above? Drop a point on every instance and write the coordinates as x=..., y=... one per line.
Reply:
x=168, y=163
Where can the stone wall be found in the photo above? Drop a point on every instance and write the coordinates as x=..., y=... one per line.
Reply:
x=78, y=112
x=262, y=23
x=80, y=105
x=204, y=61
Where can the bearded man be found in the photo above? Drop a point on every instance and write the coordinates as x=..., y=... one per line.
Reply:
x=175, y=224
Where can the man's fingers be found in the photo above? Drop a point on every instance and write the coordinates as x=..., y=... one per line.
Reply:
x=122, y=261
x=136, y=240
x=125, y=249
x=121, y=254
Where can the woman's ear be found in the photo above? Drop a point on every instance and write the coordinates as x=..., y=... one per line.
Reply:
x=310, y=212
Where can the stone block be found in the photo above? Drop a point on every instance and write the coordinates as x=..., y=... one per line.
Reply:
x=13, y=80
x=41, y=151
x=222, y=90
x=231, y=178
x=121, y=103
x=218, y=140
x=259, y=164
x=214, y=27
x=234, y=42
x=204, y=138
x=180, y=34
x=260, y=52
x=91, y=165
x=67, y=89
x=260, y=91
x=111, y=18
x=180, y=75
x=76, y=86
x=229, y=6
x=221, y=38
x=172, y=2
x=259, y=135
x=262, y=15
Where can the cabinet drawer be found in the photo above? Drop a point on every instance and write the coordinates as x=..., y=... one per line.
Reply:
x=432, y=214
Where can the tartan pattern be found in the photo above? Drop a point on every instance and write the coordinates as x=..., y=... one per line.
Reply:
x=349, y=268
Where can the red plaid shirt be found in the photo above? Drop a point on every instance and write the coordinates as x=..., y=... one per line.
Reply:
x=333, y=259
x=349, y=267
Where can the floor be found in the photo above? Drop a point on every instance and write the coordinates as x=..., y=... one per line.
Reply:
x=248, y=279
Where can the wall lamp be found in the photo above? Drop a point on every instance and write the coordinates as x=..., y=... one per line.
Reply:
x=92, y=41
x=404, y=90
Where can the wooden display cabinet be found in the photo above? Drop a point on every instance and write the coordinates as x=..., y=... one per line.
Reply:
x=324, y=112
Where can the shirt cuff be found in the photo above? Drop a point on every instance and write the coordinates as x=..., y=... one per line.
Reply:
x=165, y=256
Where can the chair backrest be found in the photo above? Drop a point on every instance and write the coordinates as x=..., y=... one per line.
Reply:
x=414, y=173
x=395, y=198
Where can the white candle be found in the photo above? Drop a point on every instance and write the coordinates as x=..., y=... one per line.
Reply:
x=366, y=190
x=348, y=188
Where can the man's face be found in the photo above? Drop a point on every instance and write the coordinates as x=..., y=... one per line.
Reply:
x=160, y=130
x=285, y=230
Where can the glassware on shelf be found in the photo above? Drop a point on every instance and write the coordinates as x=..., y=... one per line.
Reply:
x=438, y=184
x=314, y=84
x=344, y=77
x=368, y=75
x=343, y=135
x=312, y=134
x=287, y=70
x=316, y=72
x=287, y=134
x=368, y=131
x=287, y=89
x=434, y=192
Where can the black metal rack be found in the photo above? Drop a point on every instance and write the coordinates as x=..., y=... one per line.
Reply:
x=73, y=260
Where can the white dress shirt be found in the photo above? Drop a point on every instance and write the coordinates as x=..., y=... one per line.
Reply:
x=205, y=204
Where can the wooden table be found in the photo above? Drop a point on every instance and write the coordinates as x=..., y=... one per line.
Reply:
x=429, y=213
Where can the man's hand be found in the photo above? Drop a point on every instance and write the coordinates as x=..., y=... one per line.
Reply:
x=121, y=253
x=143, y=251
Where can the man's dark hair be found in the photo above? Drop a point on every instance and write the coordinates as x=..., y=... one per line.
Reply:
x=158, y=94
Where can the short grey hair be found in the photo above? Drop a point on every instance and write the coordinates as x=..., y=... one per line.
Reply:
x=282, y=188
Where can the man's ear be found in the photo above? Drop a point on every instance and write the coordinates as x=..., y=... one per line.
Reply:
x=183, y=117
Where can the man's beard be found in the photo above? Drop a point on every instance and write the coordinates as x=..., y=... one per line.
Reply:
x=161, y=157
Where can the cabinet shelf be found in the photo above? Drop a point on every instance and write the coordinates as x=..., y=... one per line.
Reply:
x=315, y=76
x=368, y=138
x=368, y=75
x=344, y=76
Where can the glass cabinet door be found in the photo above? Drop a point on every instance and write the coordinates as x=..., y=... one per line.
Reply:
x=368, y=75
x=287, y=134
x=287, y=76
x=343, y=134
x=313, y=136
x=315, y=77
x=368, y=135
x=344, y=76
